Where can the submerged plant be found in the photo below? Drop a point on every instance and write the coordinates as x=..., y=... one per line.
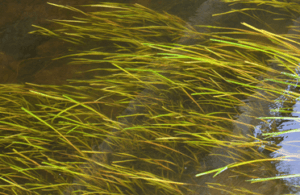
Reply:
x=163, y=117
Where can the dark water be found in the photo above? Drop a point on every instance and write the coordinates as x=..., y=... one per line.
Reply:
x=27, y=58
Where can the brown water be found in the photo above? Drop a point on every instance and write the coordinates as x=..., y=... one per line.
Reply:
x=27, y=58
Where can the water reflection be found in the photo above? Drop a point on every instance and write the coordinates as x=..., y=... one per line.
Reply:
x=290, y=146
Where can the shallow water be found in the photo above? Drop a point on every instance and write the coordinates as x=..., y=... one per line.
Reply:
x=253, y=109
x=16, y=56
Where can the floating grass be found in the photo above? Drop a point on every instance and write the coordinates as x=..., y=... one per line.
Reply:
x=161, y=121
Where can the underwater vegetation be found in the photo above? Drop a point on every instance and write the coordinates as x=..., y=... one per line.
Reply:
x=161, y=116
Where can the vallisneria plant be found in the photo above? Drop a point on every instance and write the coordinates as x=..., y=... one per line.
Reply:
x=161, y=117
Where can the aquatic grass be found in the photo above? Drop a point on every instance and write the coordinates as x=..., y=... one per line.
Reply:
x=178, y=104
x=220, y=170
x=126, y=18
x=290, y=6
x=63, y=170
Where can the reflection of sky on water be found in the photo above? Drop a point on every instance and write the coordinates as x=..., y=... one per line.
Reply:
x=290, y=146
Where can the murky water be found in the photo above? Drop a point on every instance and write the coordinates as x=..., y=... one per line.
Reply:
x=19, y=51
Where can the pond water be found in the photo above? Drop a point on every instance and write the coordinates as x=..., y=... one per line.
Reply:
x=290, y=147
x=27, y=58
x=289, y=144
